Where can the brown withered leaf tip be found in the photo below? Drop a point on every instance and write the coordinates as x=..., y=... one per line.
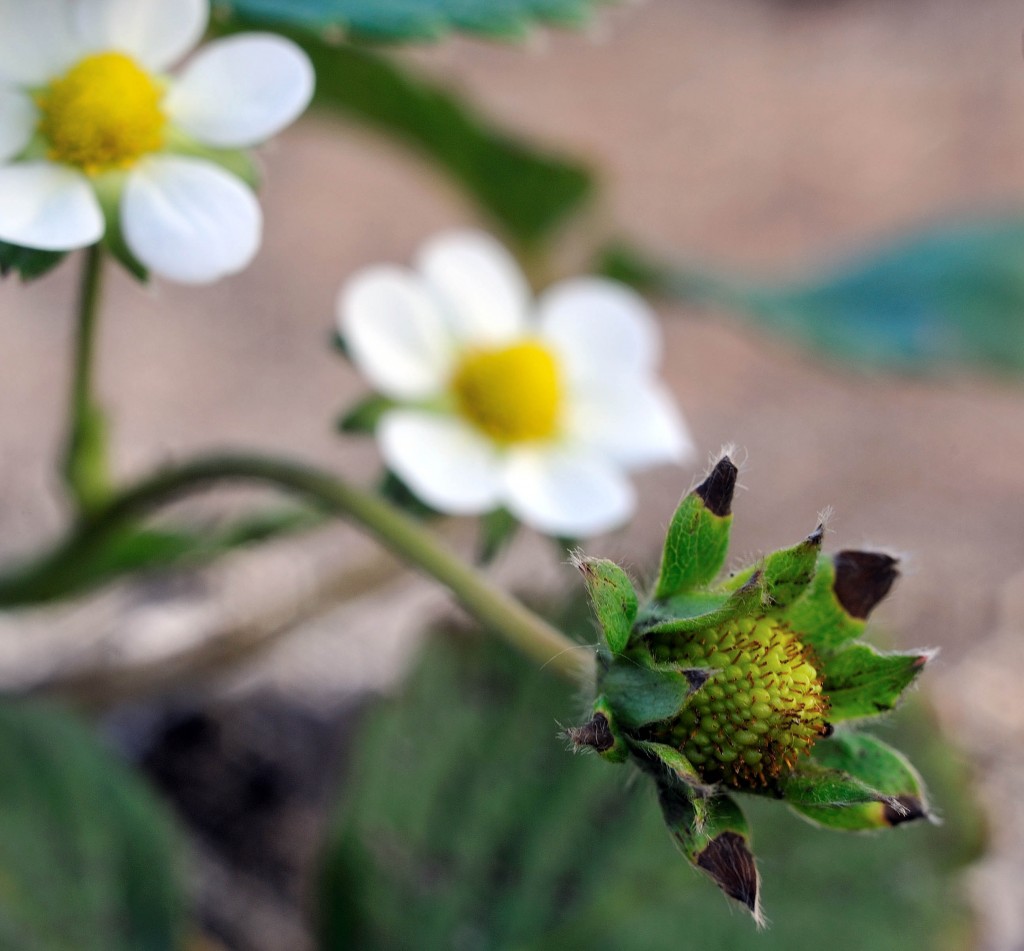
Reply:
x=729, y=862
x=863, y=578
x=595, y=733
x=717, y=489
x=904, y=809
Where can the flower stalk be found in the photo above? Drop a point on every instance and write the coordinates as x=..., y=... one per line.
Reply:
x=411, y=541
x=85, y=468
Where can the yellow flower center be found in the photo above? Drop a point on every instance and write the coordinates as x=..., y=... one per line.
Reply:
x=103, y=113
x=513, y=394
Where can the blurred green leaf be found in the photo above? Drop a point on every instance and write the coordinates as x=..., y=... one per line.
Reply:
x=85, y=560
x=464, y=823
x=948, y=295
x=27, y=263
x=88, y=859
x=524, y=190
x=412, y=19
x=497, y=529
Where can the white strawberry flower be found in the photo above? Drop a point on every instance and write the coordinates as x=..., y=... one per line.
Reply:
x=540, y=407
x=94, y=133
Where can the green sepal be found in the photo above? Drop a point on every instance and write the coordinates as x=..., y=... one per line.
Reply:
x=785, y=574
x=698, y=535
x=27, y=263
x=497, y=529
x=880, y=766
x=643, y=695
x=685, y=614
x=720, y=846
x=364, y=416
x=863, y=682
x=612, y=597
x=680, y=768
x=601, y=734
x=812, y=784
x=109, y=188
x=845, y=589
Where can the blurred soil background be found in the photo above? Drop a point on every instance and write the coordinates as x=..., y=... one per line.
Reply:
x=753, y=136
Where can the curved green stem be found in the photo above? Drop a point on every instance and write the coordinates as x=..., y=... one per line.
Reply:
x=85, y=453
x=404, y=536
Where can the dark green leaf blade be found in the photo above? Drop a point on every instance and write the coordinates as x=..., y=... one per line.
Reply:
x=524, y=190
x=27, y=263
x=878, y=765
x=412, y=19
x=89, y=857
x=364, y=416
x=945, y=296
x=83, y=561
x=863, y=682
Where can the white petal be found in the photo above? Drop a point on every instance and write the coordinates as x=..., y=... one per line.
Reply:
x=395, y=332
x=567, y=491
x=240, y=91
x=599, y=327
x=48, y=207
x=483, y=291
x=189, y=220
x=443, y=461
x=36, y=40
x=633, y=420
x=157, y=33
x=18, y=117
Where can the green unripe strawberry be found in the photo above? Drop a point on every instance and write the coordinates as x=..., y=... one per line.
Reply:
x=734, y=684
x=758, y=714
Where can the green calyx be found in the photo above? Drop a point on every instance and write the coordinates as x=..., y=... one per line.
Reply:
x=737, y=683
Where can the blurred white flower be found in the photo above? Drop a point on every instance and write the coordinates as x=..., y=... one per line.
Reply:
x=94, y=135
x=538, y=407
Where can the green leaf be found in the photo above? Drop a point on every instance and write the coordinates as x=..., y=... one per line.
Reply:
x=642, y=695
x=719, y=844
x=941, y=297
x=83, y=560
x=88, y=858
x=27, y=263
x=846, y=588
x=863, y=682
x=411, y=19
x=879, y=766
x=612, y=597
x=524, y=190
x=497, y=529
x=698, y=535
x=364, y=416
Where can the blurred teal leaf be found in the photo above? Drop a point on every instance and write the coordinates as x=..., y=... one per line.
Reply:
x=525, y=190
x=85, y=560
x=949, y=295
x=27, y=263
x=88, y=858
x=412, y=19
x=464, y=823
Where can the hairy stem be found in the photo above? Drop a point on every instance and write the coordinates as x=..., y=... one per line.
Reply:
x=85, y=452
x=408, y=539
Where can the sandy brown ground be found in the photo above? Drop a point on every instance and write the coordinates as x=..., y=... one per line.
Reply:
x=754, y=135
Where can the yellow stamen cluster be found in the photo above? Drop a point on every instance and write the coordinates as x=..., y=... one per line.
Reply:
x=104, y=113
x=512, y=394
x=759, y=713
